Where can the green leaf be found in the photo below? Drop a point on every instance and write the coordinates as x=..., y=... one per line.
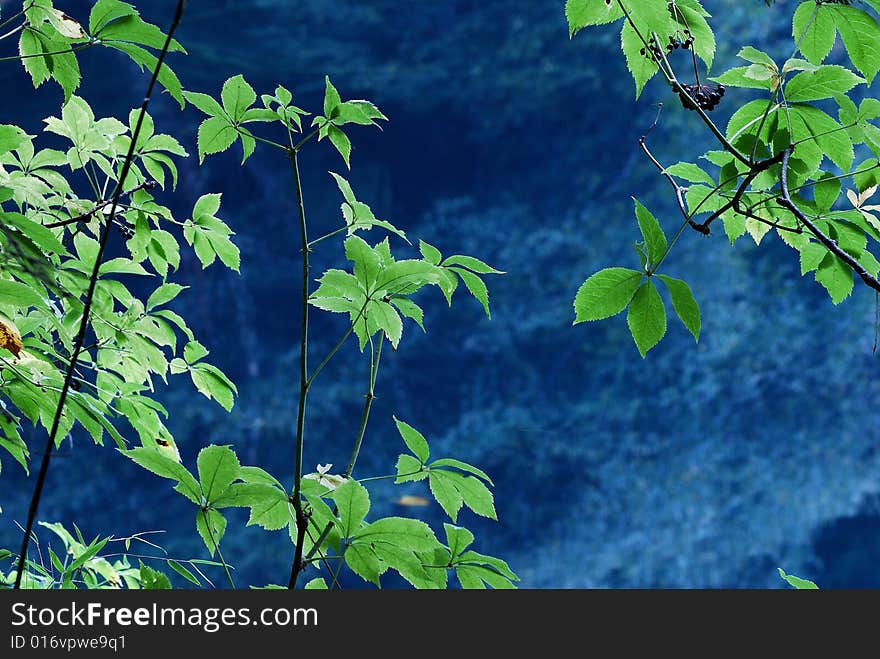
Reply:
x=31, y=49
x=690, y=172
x=105, y=11
x=826, y=192
x=836, y=276
x=739, y=76
x=213, y=384
x=215, y=135
x=353, y=502
x=182, y=571
x=605, y=294
x=237, y=96
x=641, y=68
x=386, y=319
x=211, y=526
x=684, y=304
x=164, y=294
x=755, y=56
x=474, y=576
x=693, y=18
x=582, y=13
x=160, y=464
x=414, y=440
x=18, y=294
x=825, y=82
x=218, y=467
x=408, y=565
x=646, y=317
x=464, y=466
x=317, y=583
x=341, y=142
x=476, y=495
x=861, y=37
x=446, y=493
x=194, y=351
x=469, y=262
x=653, y=234
x=153, y=579
x=405, y=533
x=430, y=253
x=366, y=261
x=814, y=29
x=409, y=469
x=205, y=103
x=797, y=582
x=363, y=561
x=409, y=309
x=818, y=136
x=476, y=287
x=331, y=98
x=457, y=538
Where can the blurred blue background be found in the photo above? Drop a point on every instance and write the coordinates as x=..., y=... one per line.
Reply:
x=702, y=466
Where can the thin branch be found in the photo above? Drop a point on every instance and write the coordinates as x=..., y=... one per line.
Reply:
x=370, y=396
x=84, y=217
x=302, y=520
x=336, y=348
x=87, y=307
x=217, y=548
x=679, y=191
x=786, y=202
x=755, y=170
x=296, y=147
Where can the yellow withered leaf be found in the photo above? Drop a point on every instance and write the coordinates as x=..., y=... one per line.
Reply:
x=10, y=337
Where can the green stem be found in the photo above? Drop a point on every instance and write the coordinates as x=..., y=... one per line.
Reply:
x=12, y=31
x=217, y=548
x=15, y=16
x=302, y=142
x=328, y=235
x=302, y=521
x=55, y=52
x=375, y=355
x=335, y=349
x=244, y=131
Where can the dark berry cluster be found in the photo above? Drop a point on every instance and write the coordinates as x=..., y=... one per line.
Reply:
x=706, y=96
x=681, y=39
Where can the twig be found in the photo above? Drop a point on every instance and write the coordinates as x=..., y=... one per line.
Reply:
x=87, y=306
x=146, y=185
x=786, y=202
x=679, y=197
x=370, y=396
x=302, y=520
